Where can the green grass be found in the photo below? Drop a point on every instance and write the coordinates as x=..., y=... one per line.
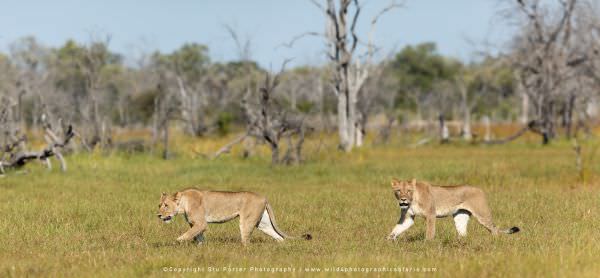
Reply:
x=99, y=217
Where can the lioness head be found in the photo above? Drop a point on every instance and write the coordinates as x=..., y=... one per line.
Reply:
x=167, y=208
x=404, y=192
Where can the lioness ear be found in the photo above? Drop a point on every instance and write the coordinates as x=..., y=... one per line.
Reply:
x=413, y=182
x=395, y=183
x=176, y=197
x=163, y=196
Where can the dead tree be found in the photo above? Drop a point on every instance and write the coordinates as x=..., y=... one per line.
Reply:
x=465, y=106
x=444, y=132
x=7, y=119
x=270, y=123
x=91, y=65
x=15, y=156
x=386, y=131
x=546, y=61
x=165, y=110
x=377, y=96
x=29, y=62
x=349, y=73
x=190, y=101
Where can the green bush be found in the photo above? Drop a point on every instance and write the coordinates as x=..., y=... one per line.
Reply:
x=224, y=121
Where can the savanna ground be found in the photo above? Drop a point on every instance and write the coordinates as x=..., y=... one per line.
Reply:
x=99, y=218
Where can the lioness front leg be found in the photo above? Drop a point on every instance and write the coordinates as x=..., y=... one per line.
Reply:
x=430, y=227
x=199, y=239
x=401, y=227
x=197, y=229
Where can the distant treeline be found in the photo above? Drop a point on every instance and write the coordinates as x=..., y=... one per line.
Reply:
x=548, y=77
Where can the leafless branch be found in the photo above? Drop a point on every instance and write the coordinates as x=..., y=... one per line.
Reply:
x=291, y=43
x=242, y=47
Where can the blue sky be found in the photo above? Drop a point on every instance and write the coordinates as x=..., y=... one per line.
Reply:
x=144, y=26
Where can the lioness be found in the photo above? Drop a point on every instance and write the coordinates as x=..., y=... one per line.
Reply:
x=201, y=207
x=423, y=199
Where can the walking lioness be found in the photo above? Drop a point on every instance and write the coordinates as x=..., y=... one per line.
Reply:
x=421, y=198
x=201, y=207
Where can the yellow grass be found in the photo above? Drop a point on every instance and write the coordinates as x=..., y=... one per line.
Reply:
x=99, y=219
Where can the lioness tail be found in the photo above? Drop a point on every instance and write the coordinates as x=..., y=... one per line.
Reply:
x=512, y=230
x=283, y=235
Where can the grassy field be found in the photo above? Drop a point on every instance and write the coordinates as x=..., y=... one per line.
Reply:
x=99, y=218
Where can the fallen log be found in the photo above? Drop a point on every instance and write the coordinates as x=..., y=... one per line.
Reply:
x=53, y=149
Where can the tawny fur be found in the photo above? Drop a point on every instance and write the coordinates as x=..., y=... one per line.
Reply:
x=201, y=207
x=431, y=202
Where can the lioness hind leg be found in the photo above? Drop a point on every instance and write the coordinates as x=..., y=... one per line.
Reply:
x=461, y=220
x=266, y=226
x=248, y=221
x=484, y=217
x=487, y=223
x=245, y=230
x=478, y=206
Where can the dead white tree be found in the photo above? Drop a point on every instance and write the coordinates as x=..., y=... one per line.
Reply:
x=14, y=154
x=377, y=96
x=191, y=103
x=271, y=123
x=9, y=129
x=243, y=46
x=465, y=106
x=166, y=108
x=28, y=55
x=546, y=60
x=349, y=72
x=95, y=58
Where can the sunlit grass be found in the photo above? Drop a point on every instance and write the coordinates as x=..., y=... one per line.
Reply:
x=99, y=217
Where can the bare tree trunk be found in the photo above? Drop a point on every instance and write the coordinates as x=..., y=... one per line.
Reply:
x=386, y=130
x=299, y=144
x=569, y=116
x=189, y=109
x=547, y=127
x=359, y=136
x=348, y=75
x=166, y=139
x=578, y=160
x=343, y=122
x=274, y=153
x=488, y=130
x=227, y=148
x=293, y=99
x=444, y=133
x=524, y=108
x=95, y=116
x=155, y=124
x=19, y=114
x=321, y=104
x=465, y=107
x=34, y=112
x=466, y=129
x=352, y=117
